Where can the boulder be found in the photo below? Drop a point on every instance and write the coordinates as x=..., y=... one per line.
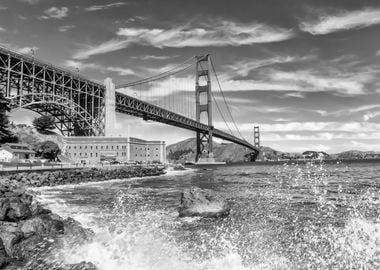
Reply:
x=75, y=233
x=10, y=235
x=37, y=208
x=82, y=266
x=44, y=224
x=4, y=258
x=18, y=209
x=4, y=207
x=202, y=203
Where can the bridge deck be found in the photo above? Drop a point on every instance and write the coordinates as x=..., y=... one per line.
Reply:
x=133, y=106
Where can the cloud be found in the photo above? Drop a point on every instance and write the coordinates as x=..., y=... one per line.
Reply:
x=55, y=13
x=307, y=81
x=109, y=46
x=342, y=21
x=3, y=7
x=222, y=34
x=368, y=116
x=65, y=28
x=101, y=7
x=26, y=50
x=80, y=65
x=121, y=71
x=2, y=29
x=244, y=67
x=31, y=2
x=154, y=57
x=378, y=53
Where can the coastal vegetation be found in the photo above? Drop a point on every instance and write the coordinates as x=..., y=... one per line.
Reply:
x=44, y=124
x=6, y=136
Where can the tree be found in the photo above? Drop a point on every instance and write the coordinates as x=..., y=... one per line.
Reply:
x=6, y=136
x=44, y=124
x=48, y=149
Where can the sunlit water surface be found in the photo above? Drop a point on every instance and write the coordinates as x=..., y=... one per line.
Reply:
x=312, y=216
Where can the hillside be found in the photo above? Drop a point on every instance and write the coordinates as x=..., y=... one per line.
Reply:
x=185, y=151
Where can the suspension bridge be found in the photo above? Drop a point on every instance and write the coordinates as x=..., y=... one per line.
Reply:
x=81, y=107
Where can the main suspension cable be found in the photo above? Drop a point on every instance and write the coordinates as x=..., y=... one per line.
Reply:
x=162, y=75
x=224, y=98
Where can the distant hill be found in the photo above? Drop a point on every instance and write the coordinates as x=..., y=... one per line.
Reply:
x=184, y=151
x=355, y=154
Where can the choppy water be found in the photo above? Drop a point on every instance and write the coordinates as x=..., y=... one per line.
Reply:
x=310, y=216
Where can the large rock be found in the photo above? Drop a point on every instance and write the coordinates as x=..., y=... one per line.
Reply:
x=18, y=209
x=4, y=207
x=10, y=235
x=44, y=224
x=4, y=258
x=75, y=233
x=202, y=203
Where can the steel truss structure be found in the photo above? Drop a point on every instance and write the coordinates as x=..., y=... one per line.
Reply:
x=76, y=104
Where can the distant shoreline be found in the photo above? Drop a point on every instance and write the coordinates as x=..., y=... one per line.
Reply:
x=282, y=162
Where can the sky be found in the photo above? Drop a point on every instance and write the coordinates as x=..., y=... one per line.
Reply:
x=307, y=72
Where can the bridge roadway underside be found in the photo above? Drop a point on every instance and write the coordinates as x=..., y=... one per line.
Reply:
x=132, y=106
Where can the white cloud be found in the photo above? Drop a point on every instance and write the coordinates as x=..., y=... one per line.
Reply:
x=308, y=81
x=3, y=7
x=244, y=67
x=101, y=7
x=2, y=29
x=65, y=28
x=327, y=23
x=80, y=65
x=55, y=13
x=154, y=57
x=225, y=33
x=121, y=71
x=378, y=53
x=109, y=46
x=27, y=50
x=31, y=2
x=370, y=115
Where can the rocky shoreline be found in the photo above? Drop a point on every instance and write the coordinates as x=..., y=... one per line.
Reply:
x=30, y=233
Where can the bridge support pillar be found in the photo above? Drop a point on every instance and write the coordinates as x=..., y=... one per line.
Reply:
x=109, y=107
x=203, y=105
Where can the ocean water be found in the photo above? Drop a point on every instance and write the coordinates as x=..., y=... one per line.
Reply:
x=310, y=216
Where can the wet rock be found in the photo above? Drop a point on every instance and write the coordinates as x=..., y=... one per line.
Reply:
x=179, y=167
x=44, y=224
x=202, y=203
x=10, y=235
x=4, y=207
x=75, y=233
x=4, y=258
x=37, y=209
x=31, y=248
x=18, y=210
x=83, y=266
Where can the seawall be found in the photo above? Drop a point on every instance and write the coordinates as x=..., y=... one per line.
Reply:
x=80, y=175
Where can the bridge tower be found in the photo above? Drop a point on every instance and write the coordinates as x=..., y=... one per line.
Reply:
x=256, y=136
x=203, y=105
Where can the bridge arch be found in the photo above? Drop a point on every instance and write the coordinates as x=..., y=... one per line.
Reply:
x=70, y=119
